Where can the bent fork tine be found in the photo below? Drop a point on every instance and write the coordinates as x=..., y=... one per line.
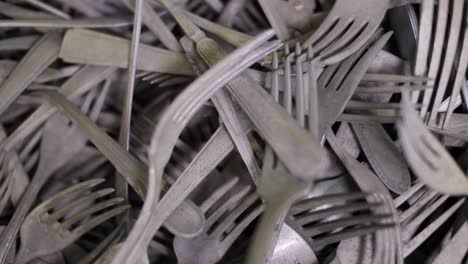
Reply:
x=54, y=200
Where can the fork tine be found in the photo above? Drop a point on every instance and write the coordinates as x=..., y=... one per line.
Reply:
x=228, y=205
x=234, y=214
x=377, y=77
x=390, y=89
x=300, y=95
x=52, y=202
x=240, y=227
x=308, y=204
x=275, y=77
x=368, y=119
x=287, y=93
x=325, y=27
x=329, y=226
x=362, y=38
x=336, y=210
x=88, y=212
x=220, y=192
x=436, y=56
x=107, y=243
x=313, y=102
x=89, y=198
x=356, y=26
x=342, y=235
x=420, y=203
x=333, y=34
x=430, y=229
x=408, y=194
x=344, y=67
x=457, y=84
x=92, y=223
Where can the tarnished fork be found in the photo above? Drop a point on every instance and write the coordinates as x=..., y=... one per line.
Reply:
x=51, y=223
x=388, y=239
x=52, y=156
x=223, y=209
x=347, y=28
x=338, y=82
x=329, y=219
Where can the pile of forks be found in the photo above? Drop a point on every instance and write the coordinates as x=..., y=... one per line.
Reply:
x=233, y=131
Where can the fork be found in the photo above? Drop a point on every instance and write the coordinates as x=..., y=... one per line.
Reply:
x=429, y=160
x=50, y=221
x=53, y=155
x=369, y=182
x=348, y=26
x=223, y=224
x=331, y=218
x=424, y=203
x=338, y=82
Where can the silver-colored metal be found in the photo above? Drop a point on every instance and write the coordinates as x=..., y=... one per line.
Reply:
x=257, y=104
x=57, y=133
x=134, y=172
x=279, y=190
x=57, y=230
x=78, y=47
x=325, y=111
x=424, y=202
x=455, y=250
x=223, y=224
x=38, y=58
x=338, y=82
x=347, y=28
x=317, y=216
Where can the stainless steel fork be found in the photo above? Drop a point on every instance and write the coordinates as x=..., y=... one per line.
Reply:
x=329, y=219
x=223, y=209
x=348, y=26
x=51, y=223
x=56, y=149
